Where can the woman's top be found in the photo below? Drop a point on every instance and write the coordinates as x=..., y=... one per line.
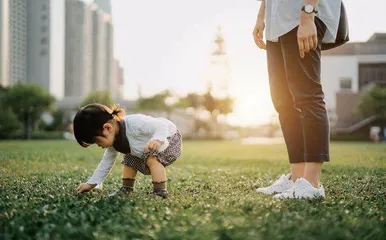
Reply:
x=281, y=16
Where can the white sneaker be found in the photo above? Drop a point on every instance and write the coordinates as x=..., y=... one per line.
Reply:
x=282, y=184
x=302, y=189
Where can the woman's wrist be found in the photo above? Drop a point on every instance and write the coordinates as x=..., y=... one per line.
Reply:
x=307, y=16
x=261, y=14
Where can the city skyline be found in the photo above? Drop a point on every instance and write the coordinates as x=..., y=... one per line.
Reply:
x=157, y=45
x=65, y=46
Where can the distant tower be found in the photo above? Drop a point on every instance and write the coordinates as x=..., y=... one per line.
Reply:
x=104, y=5
x=219, y=71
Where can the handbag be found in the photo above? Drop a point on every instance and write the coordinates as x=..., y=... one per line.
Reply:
x=342, y=35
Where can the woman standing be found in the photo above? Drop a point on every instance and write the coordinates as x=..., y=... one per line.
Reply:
x=295, y=31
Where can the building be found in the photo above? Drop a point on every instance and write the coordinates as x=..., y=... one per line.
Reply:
x=79, y=52
x=110, y=77
x=65, y=46
x=13, y=41
x=45, y=48
x=346, y=72
x=89, y=58
x=4, y=42
x=32, y=43
x=119, y=76
x=104, y=5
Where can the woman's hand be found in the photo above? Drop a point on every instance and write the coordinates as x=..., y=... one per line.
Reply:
x=153, y=145
x=85, y=187
x=258, y=32
x=307, y=34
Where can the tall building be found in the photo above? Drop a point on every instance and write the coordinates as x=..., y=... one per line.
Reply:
x=66, y=46
x=45, y=46
x=4, y=46
x=79, y=52
x=13, y=41
x=32, y=43
x=110, y=77
x=104, y=6
x=118, y=91
x=98, y=49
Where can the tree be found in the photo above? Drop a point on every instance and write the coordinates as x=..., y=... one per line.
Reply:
x=9, y=123
x=101, y=97
x=28, y=101
x=373, y=103
x=209, y=103
x=192, y=100
x=155, y=102
x=59, y=121
x=163, y=101
x=216, y=107
x=225, y=105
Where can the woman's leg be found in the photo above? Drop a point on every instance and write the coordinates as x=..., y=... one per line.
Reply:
x=297, y=170
x=289, y=116
x=303, y=77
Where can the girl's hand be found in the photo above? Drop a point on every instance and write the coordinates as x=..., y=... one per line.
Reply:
x=153, y=145
x=85, y=187
x=307, y=34
x=258, y=32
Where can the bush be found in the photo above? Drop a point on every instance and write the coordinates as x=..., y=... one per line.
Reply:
x=8, y=123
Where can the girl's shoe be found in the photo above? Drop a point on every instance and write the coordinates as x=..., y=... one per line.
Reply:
x=282, y=184
x=122, y=191
x=302, y=189
x=161, y=193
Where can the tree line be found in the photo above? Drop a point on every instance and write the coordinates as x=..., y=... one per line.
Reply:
x=22, y=107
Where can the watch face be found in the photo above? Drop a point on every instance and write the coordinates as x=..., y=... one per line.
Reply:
x=308, y=8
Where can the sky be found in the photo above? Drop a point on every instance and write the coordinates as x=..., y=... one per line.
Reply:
x=167, y=45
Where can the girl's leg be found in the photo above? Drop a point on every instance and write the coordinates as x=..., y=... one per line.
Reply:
x=157, y=170
x=128, y=180
x=128, y=176
x=158, y=175
x=128, y=172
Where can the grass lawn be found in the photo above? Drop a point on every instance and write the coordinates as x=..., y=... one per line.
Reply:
x=212, y=195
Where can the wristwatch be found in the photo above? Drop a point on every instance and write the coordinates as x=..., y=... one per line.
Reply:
x=309, y=9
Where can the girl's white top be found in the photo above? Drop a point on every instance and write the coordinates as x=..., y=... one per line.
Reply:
x=281, y=16
x=139, y=130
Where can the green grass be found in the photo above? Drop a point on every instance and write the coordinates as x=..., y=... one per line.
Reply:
x=212, y=195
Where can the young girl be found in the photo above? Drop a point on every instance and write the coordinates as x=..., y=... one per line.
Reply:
x=149, y=144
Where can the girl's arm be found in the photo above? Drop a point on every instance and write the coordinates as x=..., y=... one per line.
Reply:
x=104, y=166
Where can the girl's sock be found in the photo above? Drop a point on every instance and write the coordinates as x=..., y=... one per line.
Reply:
x=159, y=185
x=160, y=189
x=128, y=183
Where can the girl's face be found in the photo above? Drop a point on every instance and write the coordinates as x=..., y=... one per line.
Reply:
x=108, y=138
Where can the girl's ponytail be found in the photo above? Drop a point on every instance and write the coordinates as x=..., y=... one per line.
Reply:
x=117, y=112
